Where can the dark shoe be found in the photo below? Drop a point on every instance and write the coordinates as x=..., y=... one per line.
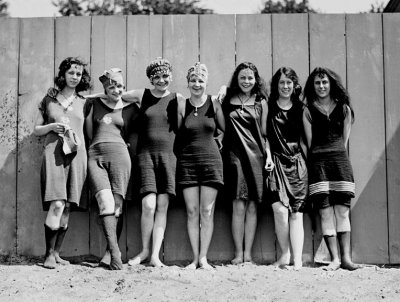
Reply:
x=109, y=223
x=57, y=247
x=51, y=237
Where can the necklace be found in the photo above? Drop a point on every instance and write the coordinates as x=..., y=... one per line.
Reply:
x=70, y=100
x=243, y=102
x=196, y=107
x=325, y=108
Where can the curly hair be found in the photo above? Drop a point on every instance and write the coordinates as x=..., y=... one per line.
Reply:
x=65, y=65
x=337, y=91
x=259, y=88
x=290, y=74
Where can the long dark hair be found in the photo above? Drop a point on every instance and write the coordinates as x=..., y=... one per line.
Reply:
x=259, y=88
x=290, y=74
x=337, y=91
x=65, y=65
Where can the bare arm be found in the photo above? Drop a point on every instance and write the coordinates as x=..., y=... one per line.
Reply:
x=42, y=129
x=307, y=127
x=347, y=127
x=219, y=115
x=130, y=96
x=181, y=110
x=89, y=124
x=269, y=163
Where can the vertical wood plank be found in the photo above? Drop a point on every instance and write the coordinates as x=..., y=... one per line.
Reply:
x=217, y=51
x=253, y=44
x=367, y=145
x=290, y=48
x=36, y=58
x=217, y=48
x=108, y=51
x=73, y=40
x=181, y=48
x=9, y=52
x=327, y=49
x=144, y=43
x=391, y=40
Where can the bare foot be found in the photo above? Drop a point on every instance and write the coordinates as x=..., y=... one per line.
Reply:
x=191, y=266
x=156, y=262
x=282, y=262
x=248, y=260
x=350, y=266
x=50, y=261
x=203, y=264
x=106, y=260
x=297, y=265
x=333, y=266
x=139, y=258
x=237, y=260
x=59, y=260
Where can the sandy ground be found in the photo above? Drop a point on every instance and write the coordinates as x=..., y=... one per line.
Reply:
x=23, y=279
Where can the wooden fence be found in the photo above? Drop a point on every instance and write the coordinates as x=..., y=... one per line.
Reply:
x=362, y=48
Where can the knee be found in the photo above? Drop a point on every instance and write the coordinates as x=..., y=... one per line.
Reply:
x=192, y=212
x=294, y=217
x=280, y=210
x=251, y=209
x=239, y=208
x=57, y=207
x=148, y=209
x=207, y=213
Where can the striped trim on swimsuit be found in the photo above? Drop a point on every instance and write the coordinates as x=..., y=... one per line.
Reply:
x=326, y=186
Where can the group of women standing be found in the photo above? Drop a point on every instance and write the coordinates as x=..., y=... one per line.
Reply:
x=252, y=144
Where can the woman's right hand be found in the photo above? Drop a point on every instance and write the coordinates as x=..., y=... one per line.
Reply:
x=59, y=128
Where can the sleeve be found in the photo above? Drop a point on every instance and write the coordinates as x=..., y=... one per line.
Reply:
x=88, y=106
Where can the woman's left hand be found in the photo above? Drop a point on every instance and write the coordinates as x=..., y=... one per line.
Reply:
x=269, y=165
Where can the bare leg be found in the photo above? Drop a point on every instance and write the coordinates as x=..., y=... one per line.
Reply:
x=61, y=234
x=147, y=222
x=106, y=202
x=281, y=218
x=343, y=232
x=191, y=197
x=329, y=232
x=238, y=216
x=52, y=225
x=297, y=238
x=160, y=223
x=208, y=196
x=250, y=227
x=105, y=261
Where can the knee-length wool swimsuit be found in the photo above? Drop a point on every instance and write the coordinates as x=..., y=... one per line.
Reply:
x=199, y=159
x=288, y=181
x=329, y=168
x=155, y=158
x=63, y=176
x=244, y=151
x=109, y=162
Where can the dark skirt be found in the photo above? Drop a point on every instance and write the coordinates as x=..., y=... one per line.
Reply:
x=330, y=172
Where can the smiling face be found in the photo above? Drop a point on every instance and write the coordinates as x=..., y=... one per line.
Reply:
x=322, y=86
x=246, y=80
x=285, y=87
x=161, y=81
x=73, y=76
x=197, y=85
x=114, y=91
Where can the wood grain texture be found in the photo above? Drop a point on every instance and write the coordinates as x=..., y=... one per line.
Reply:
x=369, y=214
x=9, y=55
